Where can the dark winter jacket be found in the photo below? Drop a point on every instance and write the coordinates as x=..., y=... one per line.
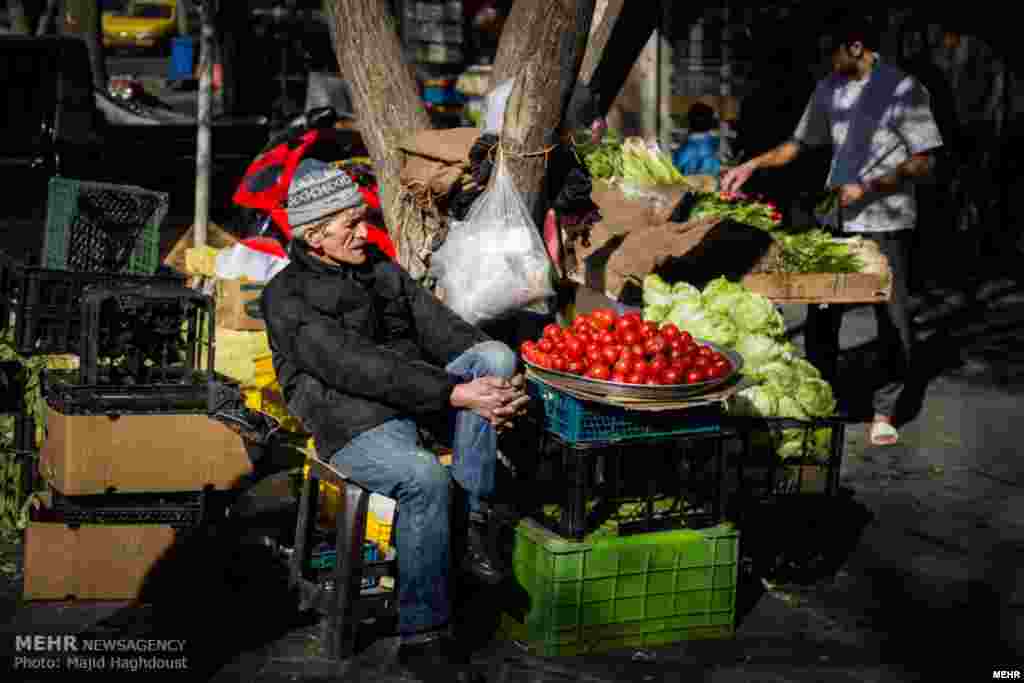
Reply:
x=355, y=346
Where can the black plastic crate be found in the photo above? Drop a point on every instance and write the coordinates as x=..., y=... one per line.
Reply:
x=44, y=305
x=13, y=375
x=188, y=509
x=814, y=467
x=66, y=394
x=145, y=334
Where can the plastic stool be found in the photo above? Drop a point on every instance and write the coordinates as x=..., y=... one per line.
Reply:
x=340, y=599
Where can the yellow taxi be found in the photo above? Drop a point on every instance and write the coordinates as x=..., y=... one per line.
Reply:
x=142, y=23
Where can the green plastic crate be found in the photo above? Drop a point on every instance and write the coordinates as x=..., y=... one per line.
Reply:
x=636, y=591
x=62, y=208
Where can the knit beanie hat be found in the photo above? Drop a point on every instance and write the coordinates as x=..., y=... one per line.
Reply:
x=317, y=191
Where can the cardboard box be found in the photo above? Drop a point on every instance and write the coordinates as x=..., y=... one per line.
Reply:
x=216, y=237
x=90, y=454
x=238, y=305
x=91, y=562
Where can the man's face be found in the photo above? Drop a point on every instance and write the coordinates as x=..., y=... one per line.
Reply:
x=845, y=59
x=343, y=240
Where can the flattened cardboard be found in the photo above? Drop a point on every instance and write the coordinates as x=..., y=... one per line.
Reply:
x=216, y=237
x=91, y=562
x=238, y=305
x=90, y=454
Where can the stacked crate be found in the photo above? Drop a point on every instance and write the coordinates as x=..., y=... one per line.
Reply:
x=669, y=574
x=131, y=457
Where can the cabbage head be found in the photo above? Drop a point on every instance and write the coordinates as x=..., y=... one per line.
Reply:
x=797, y=443
x=757, y=350
x=656, y=292
x=721, y=295
x=790, y=408
x=778, y=373
x=685, y=314
x=716, y=328
x=804, y=369
x=815, y=397
x=684, y=291
x=656, y=313
x=757, y=401
x=757, y=314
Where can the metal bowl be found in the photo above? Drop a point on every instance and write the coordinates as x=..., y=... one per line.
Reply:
x=648, y=392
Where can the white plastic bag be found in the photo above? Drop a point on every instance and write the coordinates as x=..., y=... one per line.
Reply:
x=494, y=111
x=494, y=263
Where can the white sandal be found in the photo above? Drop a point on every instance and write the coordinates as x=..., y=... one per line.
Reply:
x=883, y=434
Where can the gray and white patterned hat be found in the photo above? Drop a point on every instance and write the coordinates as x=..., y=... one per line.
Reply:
x=317, y=191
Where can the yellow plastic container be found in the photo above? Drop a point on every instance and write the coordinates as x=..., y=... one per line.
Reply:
x=268, y=400
x=377, y=529
x=265, y=375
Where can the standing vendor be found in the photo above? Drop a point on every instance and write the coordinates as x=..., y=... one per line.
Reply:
x=880, y=124
x=363, y=354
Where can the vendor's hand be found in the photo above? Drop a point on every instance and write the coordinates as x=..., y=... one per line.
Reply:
x=850, y=193
x=505, y=416
x=734, y=178
x=485, y=395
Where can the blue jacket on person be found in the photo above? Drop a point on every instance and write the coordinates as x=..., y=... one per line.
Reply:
x=699, y=156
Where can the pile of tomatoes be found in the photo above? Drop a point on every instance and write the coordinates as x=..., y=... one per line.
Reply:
x=625, y=349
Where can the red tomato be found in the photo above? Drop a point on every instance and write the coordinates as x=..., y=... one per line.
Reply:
x=690, y=346
x=527, y=347
x=716, y=371
x=648, y=329
x=546, y=345
x=653, y=379
x=552, y=331
x=683, y=362
x=638, y=351
x=694, y=376
x=717, y=357
x=658, y=364
x=574, y=348
x=594, y=354
x=633, y=316
x=635, y=378
x=603, y=318
x=581, y=323
x=606, y=338
x=623, y=366
x=599, y=371
x=669, y=331
x=630, y=337
x=705, y=351
x=575, y=367
x=685, y=337
x=619, y=377
x=558, y=363
x=701, y=362
x=542, y=359
x=670, y=376
x=641, y=367
x=656, y=344
x=676, y=344
x=609, y=354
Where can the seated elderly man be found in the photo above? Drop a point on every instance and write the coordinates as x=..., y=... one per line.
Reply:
x=363, y=353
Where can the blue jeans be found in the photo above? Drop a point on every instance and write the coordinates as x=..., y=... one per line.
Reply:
x=390, y=460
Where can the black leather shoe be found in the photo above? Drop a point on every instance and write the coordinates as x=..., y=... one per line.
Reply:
x=437, y=661
x=478, y=561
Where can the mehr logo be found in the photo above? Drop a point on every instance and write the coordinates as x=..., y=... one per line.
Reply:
x=1005, y=674
x=64, y=643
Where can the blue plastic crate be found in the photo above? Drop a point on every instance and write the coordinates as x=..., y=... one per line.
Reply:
x=325, y=557
x=576, y=421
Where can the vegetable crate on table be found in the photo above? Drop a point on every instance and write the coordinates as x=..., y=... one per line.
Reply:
x=45, y=305
x=642, y=591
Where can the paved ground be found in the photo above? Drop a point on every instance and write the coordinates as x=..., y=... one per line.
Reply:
x=916, y=567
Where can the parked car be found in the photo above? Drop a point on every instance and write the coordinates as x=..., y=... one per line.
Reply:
x=142, y=24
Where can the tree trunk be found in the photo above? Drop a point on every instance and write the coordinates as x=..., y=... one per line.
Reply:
x=384, y=96
x=204, y=155
x=17, y=17
x=82, y=19
x=541, y=47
